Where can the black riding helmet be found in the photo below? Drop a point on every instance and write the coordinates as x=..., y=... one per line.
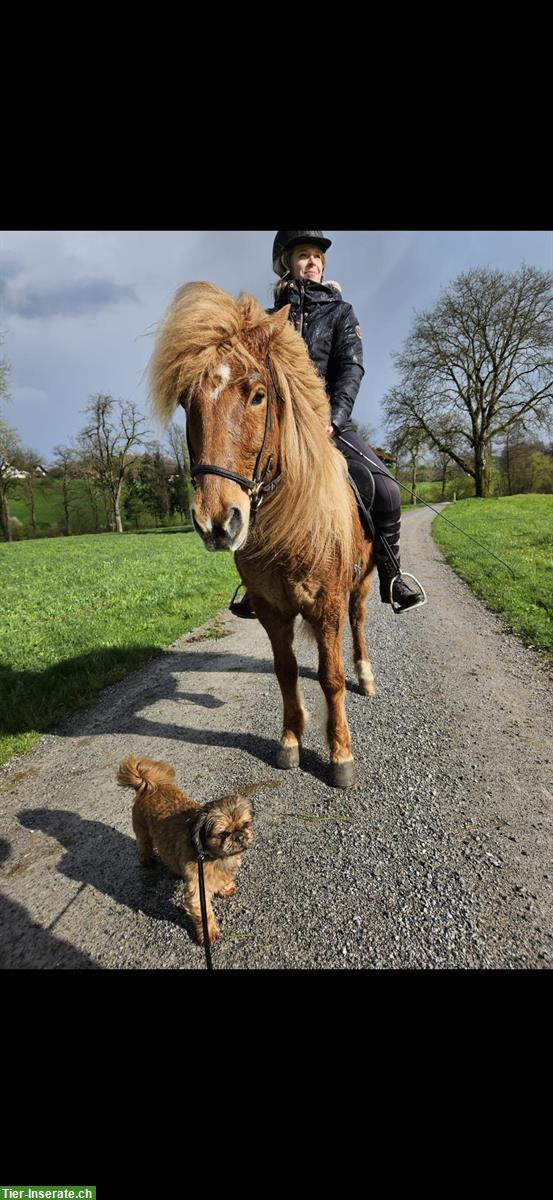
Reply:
x=286, y=238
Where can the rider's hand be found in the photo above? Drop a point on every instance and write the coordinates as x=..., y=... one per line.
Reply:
x=331, y=430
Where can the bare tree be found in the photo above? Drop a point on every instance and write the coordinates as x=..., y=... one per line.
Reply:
x=410, y=443
x=65, y=465
x=181, y=484
x=481, y=360
x=10, y=448
x=10, y=461
x=108, y=443
x=30, y=463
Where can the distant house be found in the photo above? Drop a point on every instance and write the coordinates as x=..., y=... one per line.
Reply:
x=12, y=473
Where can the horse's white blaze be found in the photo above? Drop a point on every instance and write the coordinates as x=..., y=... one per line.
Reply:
x=223, y=371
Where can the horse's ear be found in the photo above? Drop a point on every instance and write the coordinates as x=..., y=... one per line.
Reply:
x=278, y=320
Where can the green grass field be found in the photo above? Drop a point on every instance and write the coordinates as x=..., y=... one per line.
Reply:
x=79, y=613
x=49, y=510
x=49, y=503
x=431, y=492
x=520, y=530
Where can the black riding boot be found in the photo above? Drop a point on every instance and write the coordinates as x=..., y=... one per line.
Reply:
x=242, y=608
x=402, y=595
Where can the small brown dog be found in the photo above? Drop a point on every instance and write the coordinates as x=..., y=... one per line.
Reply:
x=167, y=821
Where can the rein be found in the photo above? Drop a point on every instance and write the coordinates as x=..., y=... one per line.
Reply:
x=258, y=486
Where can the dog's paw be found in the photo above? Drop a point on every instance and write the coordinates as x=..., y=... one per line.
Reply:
x=213, y=933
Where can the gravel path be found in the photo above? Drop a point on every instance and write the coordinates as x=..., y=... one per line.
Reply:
x=439, y=857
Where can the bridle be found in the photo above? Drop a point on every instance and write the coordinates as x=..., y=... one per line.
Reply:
x=258, y=487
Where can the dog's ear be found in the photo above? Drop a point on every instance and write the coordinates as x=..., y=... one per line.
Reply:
x=198, y=829
x=250, y=805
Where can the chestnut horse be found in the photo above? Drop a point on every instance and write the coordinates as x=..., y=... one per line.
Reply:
x=270, y=486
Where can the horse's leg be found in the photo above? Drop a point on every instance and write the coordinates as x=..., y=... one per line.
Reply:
x=281, y=633
x=357, y=616
x=329, y=632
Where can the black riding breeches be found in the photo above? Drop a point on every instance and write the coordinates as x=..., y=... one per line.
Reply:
x=387, y=501
x=386, y=506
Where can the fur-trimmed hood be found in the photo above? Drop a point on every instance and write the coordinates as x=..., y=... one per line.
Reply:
x=289, y=291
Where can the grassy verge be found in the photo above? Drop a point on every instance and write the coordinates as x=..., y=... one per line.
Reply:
x=520, y=530
x=79, y=613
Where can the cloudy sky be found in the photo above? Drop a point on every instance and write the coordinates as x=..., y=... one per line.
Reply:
x=77, y=308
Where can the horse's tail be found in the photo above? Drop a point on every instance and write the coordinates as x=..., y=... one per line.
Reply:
x=144, y=772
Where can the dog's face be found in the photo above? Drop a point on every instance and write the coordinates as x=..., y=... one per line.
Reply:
x=224, y=827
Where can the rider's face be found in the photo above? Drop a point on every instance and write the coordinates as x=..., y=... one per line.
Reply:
x=306, y=262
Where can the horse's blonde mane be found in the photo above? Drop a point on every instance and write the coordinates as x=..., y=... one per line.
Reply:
x=309, y=516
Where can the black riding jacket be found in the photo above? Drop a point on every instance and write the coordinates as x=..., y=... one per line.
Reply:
x=331, y=331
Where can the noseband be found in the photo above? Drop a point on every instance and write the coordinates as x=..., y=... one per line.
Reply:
x=257, y=487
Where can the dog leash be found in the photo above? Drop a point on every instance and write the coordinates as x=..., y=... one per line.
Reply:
x=203, y=907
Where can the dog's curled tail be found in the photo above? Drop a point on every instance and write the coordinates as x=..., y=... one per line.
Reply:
x=138, y=772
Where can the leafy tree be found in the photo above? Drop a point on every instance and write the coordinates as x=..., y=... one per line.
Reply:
x=147, y=487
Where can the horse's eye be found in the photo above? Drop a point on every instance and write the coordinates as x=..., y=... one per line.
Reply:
x=258, y=399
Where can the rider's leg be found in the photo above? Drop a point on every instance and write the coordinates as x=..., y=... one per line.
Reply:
x=386, y=515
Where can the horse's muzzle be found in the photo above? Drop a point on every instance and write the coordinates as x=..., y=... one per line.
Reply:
x=225, y=535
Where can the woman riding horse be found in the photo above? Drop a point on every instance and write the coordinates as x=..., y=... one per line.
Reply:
x=331, y=331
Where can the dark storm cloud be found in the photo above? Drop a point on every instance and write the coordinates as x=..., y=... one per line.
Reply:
x=70, y=300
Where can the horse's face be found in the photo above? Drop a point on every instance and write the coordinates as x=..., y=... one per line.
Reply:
x=226, y=425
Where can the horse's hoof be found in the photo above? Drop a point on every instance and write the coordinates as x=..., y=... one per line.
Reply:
x=287, y=757
x=343, y=774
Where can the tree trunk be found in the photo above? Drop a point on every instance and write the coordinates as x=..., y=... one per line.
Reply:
x=117, y=511
x=5, y=518
x=480, y=474
x=66, y=507
x=508, y=450
x=33, y=506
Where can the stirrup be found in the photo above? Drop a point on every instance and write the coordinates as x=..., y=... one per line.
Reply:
x=243, y=607
x=420, y=602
